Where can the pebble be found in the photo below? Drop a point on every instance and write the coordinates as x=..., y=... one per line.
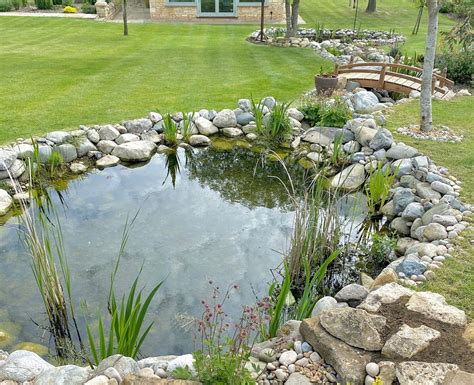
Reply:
x=315, y=357
x=161, y=373
x=372, y=369
x=270, y=366
x=306, y=347
x=369, y=380
x=288, y=357
x=439, y=258
x=331, y=377
x=302, y=362
x=291, y=368
x=429, y=274
x=281, y=374
x=297, y=347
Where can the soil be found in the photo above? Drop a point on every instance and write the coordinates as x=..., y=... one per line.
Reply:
x=449, y=347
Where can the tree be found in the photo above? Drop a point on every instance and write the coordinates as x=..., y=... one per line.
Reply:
x=420, y=4
x=371, y=6
x=125, y=20
x=292, y=10
x=426, y=113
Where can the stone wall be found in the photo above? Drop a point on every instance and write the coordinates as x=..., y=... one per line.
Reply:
x=161, y=11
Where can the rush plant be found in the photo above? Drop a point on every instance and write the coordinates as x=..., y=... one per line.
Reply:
x=378, y=186
x=170, y=131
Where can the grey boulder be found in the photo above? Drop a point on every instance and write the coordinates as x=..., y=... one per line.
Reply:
x=7, y=157
x=135, y=151
x=63, y=375
x=225, y=118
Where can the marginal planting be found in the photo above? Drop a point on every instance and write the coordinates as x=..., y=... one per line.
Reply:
x=378, y=187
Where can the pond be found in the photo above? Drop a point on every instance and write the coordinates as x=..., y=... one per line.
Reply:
x=210, y=215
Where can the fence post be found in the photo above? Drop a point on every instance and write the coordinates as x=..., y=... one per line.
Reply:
x=382, y=76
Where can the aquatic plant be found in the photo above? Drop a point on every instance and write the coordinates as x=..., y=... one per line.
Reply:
x=337, y=155
x=278, y=128
x=187, y=125
x=170, y=131
x=257, y=111
x=378, y=186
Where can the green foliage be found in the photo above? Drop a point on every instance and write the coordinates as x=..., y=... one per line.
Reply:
x=55, y=161
x=182, y=374
x=68, y=3
x=44, y=4
x=187, y=125
x=382, y=246
x=17, y=4
x=334, y=51
x=378, y=186
x=127, y=316
x=170, y=130
x=335, y=114
x=276, y=312
x=278, y=127
x=337, y=154
x=312, y=111
x=6, y=5
x=257, y=110
x=88, y=8
x=460, y=66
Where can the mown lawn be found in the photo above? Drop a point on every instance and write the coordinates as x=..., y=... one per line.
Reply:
x=58, y=74
x=456, y=279
x=399, y=15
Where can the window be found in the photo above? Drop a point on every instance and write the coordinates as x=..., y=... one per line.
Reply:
x=180, y=2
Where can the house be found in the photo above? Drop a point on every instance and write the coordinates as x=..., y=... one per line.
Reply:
x=229, y=10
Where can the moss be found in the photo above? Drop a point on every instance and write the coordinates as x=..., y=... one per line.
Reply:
x=39, y=349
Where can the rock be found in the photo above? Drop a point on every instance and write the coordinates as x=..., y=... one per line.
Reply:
x=364, y=101
x=266, y=355
x=183, y=361
x=199, y=140
x=281, y=375
x=205, y=127
x=434, y=306
x=386, y=294
x=232, y=132
x=411, y=265
x=126, y=138
x=382, y=139
x=23, y=151
x=441, y=209
x=44, y=154
x=324, y=136
x=22, y=365
x=84, y=146
x=351, y=147
x=412, y=211
x=323, y=304
x=349, y=362
x=402, y=198
x=356, y=327
x=68, y=152
x=15, y=171
x=107, y=161
x=225, y=118
x=298, y=379
x=138, y=126
x=269, y=102
x=135, y=151
x=77, y=168
x=133, y=379
x=245, y=105
x=306, y=348
x=123, y=365
x=366, y=280
x=353, y=294
x=106, y=146
x=372, y=369
x=99, y=380
x=400, y=225
x=7, y=157
x=152, y=136
x=113, y=374
x=401, y=151
x=387, y=372
x=417, y=373
x=365, y=135
x=155, y=117
x=93, y=136
x=425, y=191
x=434, y=231
x=108, y=132
x=351, y=178
x=288, y=357
x=245, y=118
x=409, y=341
x=295, y=114
x=414, y=94
x=63, y=375
x=445, y=220
x=386, y=276
x=458, y=377
x=57, y=137
x=315, y=157
x=441, y=187
x=6, y=202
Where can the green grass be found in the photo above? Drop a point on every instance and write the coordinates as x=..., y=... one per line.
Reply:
x=399, y=15
x=454, y=280
x=58, y=74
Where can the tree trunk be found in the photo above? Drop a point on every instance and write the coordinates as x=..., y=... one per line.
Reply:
x=125, y=20
x=371, y=6
x=288, y=17
x=426, y=118
x=291, y=11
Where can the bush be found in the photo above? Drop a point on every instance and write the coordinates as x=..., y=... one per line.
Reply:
x=460, y=66
x=16, y=4
x=334, y=51
x=88, y=8
x=447, y=7
x=69, y=9
x=335, y=114
x=44, y=4
x=5, y=5
x=312, y=112
x=68, y=3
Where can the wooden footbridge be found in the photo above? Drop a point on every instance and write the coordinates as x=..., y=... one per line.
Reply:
x=393, y=77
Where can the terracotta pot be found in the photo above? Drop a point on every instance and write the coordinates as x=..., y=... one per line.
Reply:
x=325, y=85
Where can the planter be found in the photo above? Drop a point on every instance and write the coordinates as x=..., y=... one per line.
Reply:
x=325, y=84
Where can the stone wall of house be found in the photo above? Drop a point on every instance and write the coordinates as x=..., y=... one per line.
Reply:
x=159, y=10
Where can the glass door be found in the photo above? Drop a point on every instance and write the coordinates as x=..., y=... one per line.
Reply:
x=216, y=8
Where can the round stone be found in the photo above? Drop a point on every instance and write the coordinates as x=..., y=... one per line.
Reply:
x=289, y=357
x=372, y=369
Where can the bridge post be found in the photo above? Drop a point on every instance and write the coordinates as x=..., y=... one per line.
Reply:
x=382, y=76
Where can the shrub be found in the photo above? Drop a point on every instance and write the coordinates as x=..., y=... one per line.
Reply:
x=447, y=7
x=44, y=4
x=334, y=51
x=312, y=112
x=68, y=3
x=460, y=65
x=69, y=9
x=88, y=8
x=5, y=5
x=335, y=114
x=16, y=4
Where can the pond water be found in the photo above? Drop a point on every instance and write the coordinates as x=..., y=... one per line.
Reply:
x=213, y=215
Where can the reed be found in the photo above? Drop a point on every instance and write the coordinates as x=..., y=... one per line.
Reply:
x=378, y=187
x=170, y=131
x=187, y=126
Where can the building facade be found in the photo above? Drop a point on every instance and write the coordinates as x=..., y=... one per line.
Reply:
x=245, y=11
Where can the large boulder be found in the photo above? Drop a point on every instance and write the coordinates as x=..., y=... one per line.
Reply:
x=135, y=151
x=63, y=375
x=57, y=137
x=107, y=161
x=351, y=178
x=108, y=132
x=186, y=360
x=364, y=135
x=364, y=101
x=84, y=146
x=68, y=152
x=6, y=202
x=353, y=294
x=402, y=198
x=7, y=157
x=23, y=151
x=355, y=327
x=205, y=127
x=424, y=191
x=22, y=366
x=386, y=294
x=434, y=306
x=423, y=373
x=138, y=126
x=434, y=231
x=409, y=341
x=15, y=171
x=324, y=136
x=106, y=146
x=323, y=304
x=401, y=151
x=225, y=118
x=411, y=265
x=382, y=139
x=199, y=140
x=349, y=362
x=126, y=138
x=123, y=365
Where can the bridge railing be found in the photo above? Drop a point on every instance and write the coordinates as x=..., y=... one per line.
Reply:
x=393, y=69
